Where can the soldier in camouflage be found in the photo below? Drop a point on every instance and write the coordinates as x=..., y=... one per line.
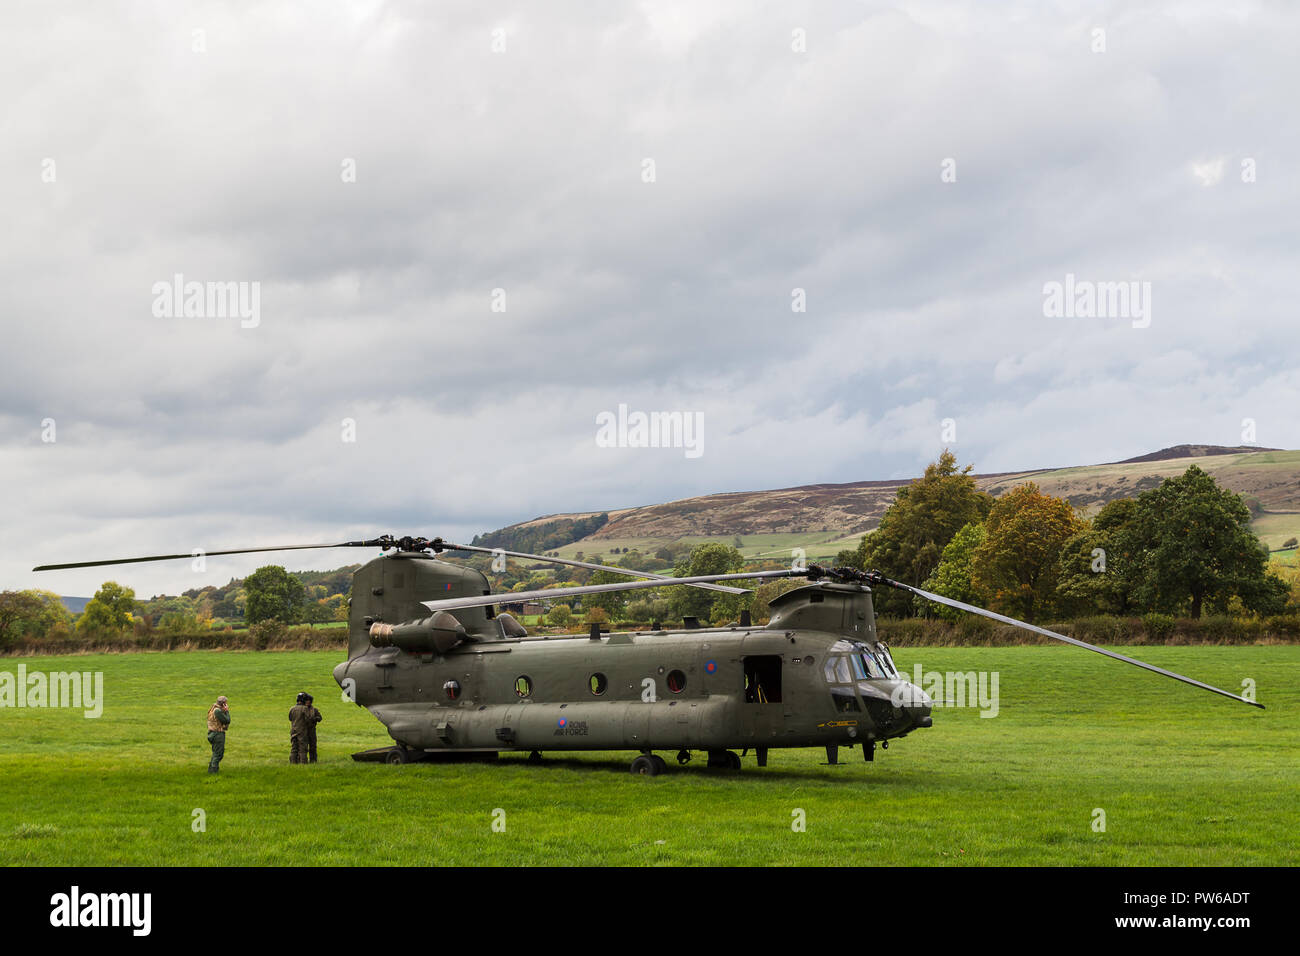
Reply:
x=218, y=721
x=299, y=725
x=315, y=717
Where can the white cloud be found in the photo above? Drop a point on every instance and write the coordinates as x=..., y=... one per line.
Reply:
x=521, y=170
x=1209, y=172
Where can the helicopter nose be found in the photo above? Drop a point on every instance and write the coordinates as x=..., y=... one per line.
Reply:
x=917, y=704
x=340, y=672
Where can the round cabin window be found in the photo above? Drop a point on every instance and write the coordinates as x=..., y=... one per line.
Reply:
x=452, y=689
x=598, y=684
x=523, y=687
x=676, y=682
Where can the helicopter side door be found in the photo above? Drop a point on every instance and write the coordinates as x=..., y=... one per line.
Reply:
x=763, y=708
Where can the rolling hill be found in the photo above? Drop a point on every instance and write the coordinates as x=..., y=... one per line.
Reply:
x=826, y=518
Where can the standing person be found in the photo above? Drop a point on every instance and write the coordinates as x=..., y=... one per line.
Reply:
x=299, y=723
x=314, y=717
x=218, y=721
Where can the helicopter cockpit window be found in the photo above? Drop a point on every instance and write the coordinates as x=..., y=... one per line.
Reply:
x=837, y=670
x=886, y=661
x=840, y=674
x=860, y=664
x=859, y=671
x=878, y=657
x=863, y=662
x=875, y=670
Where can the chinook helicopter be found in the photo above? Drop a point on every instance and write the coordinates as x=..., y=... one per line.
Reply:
x=449, y=676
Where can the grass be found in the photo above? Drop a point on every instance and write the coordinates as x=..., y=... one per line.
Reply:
x=817, y=544
x=1184, y=777
x=1275, y=528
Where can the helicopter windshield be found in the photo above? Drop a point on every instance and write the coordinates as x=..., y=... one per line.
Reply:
x=886, y=661
x=851, y=667
x=853, y=662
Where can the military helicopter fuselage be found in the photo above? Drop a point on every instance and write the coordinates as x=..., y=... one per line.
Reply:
x=429, y=656
x=814, y=675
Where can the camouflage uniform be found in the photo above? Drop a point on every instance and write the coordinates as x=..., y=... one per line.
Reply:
x=218, y=721
x=299, y=724
x=314, y=716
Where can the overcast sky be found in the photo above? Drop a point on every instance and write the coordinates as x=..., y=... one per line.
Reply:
x=474, y=227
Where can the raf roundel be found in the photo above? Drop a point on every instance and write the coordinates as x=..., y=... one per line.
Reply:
x=710, y=667
x=561, y=722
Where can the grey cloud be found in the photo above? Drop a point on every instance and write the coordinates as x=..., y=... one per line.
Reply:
x=521, y=170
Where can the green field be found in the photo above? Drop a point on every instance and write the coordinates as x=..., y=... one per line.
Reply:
x=1276, y=528
x=1184, y=777
x=777, y=547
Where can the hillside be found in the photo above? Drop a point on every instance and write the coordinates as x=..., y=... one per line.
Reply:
x=824, y=518
x=1194, y=451
x=75, y=605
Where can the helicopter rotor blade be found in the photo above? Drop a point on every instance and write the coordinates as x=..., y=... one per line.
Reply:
x=387, y=542
x=448, y=546
x=876, y=577
x=177, y=557
x=512, y=597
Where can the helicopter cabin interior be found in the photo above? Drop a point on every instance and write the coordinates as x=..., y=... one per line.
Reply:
x=763, y=679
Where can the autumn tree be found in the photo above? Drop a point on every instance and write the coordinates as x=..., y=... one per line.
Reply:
x=952, y=578
x=272, y=592
x=30, y=613
x=15, y=607
x=110, y=610
x=1200, y=548
x=611, y=602
x=317, y=612
x=1103, y=566
x=1017, y=565
x=923, y=517
x=713, y=557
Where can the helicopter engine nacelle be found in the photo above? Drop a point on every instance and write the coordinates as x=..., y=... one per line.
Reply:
x=437, y=634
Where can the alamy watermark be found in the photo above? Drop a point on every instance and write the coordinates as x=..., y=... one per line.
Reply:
x=179, y=299
x=952, y=689
x=651, y=430
x=1085, y=299
x=75, y=908
x=81, y=689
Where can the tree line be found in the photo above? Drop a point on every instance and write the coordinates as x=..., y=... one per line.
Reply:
x=271, y=592
x=1183, y=548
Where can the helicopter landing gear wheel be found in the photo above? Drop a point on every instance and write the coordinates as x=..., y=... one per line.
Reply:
x=535, y=757
x=723, y=760
x=645, y=766
x=683, y=757
x=397, y=755
x=660, y=763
